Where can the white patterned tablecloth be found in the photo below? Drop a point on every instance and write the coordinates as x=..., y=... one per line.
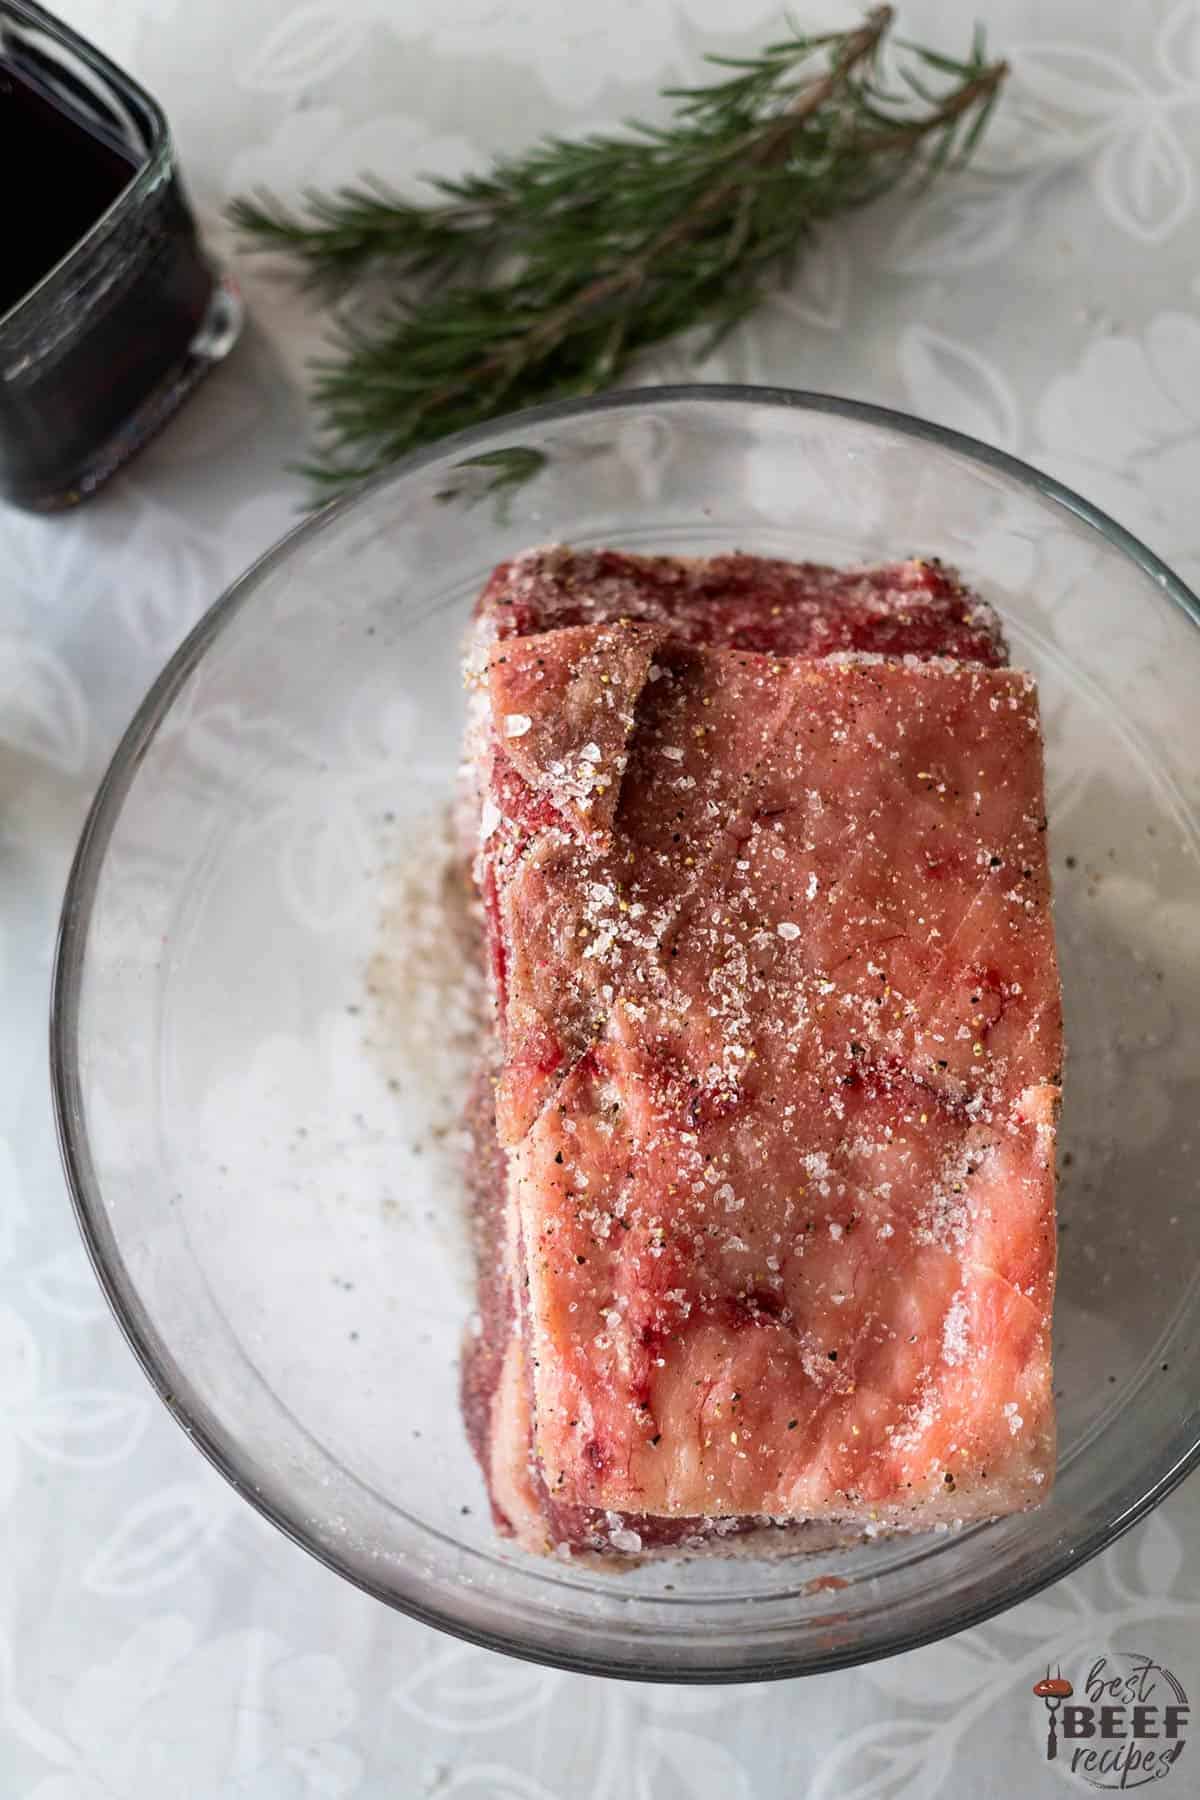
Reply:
x=159, y=1641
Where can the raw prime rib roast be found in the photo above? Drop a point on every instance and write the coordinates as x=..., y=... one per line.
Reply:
x=764, y=1167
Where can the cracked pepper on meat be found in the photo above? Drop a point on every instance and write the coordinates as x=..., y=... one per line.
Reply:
x=764, y=1160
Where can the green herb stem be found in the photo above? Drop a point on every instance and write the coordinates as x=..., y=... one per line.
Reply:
x=549, y=275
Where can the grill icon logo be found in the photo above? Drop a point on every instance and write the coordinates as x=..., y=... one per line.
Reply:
x=1053, y=1690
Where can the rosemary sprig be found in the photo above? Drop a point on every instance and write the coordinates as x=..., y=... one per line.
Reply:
x=549, y=275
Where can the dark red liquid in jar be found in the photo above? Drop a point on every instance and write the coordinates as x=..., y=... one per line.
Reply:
x=103, y=285
x=79, y=173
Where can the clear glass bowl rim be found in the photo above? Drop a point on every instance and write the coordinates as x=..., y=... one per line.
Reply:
x=226, y=1456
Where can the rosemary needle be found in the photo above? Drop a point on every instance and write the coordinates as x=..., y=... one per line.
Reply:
x=546, y=276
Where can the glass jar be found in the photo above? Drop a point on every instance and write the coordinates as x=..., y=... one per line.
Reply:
x=109, y=309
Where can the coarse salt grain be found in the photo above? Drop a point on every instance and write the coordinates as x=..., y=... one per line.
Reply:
x=954, y=1332
x=517, y=724
x=788, y=930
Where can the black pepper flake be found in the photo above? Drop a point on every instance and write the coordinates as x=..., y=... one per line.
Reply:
x=580, y=1259
x=559, y=1157
x=792, y=1424
x=833, y=1356
x=656, y=1439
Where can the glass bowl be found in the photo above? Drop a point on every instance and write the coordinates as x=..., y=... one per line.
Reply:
x=261, y=1032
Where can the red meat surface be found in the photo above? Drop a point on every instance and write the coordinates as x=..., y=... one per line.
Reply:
x=736, y=602
x=772, y=1228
